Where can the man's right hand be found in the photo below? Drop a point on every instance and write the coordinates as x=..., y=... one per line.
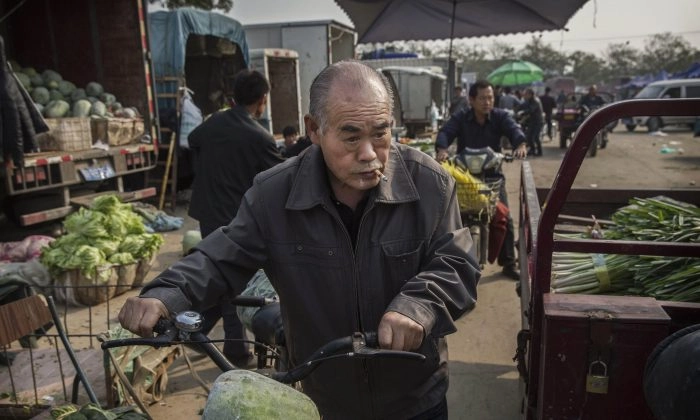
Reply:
x=140, y=315
x=441, y=154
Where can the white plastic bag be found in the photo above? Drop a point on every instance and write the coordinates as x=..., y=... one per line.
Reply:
x=191, y=117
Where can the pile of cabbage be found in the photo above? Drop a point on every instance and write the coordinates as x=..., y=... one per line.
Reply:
x=108, y=233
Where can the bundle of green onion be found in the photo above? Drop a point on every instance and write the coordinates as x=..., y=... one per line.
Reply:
x=658, y=219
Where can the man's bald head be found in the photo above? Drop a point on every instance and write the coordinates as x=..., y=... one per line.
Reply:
x=349, y=74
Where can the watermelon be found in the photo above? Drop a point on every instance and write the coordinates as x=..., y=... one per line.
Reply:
x=41, y=95
x=81, y=108
x=56, y=109
x=94, y=89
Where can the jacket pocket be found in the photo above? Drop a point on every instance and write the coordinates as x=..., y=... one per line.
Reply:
x=302, y=254
x=401, y=260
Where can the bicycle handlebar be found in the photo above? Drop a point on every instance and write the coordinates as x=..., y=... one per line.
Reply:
x=358, y=345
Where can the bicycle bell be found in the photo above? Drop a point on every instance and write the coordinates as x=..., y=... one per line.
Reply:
x=189, y=321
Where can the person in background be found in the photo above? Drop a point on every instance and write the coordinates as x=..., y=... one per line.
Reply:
x=592, y=100
x=548, y=105
x=508, y=101
x=230, y=148
x=358, y=233
x=481, y=126
x=533, y=111
x=497, y=94
x=291, y=135
x=459, y=101
x=561, y=99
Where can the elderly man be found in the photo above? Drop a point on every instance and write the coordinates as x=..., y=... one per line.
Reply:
x=355, y=234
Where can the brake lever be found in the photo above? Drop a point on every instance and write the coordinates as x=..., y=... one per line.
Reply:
x=367, y=346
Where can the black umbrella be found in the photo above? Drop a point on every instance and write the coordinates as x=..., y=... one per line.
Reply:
x=394, y=20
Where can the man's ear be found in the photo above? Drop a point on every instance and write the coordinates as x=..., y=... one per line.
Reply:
x=312, y=129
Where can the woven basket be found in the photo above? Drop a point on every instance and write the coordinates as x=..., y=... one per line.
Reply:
x=117, y=131
x=126, y=274
x=142, y=268
x=66, y=135
x=88, y=290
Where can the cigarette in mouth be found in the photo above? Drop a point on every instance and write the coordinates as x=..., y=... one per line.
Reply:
x=381, y=175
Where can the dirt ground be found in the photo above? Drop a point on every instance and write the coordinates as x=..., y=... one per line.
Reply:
x=484, y=379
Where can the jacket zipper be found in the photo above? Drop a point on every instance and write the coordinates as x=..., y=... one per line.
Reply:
x=365, y=363
x=356, y=280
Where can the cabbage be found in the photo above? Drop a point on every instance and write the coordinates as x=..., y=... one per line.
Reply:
x=242, y=394
x=122, y=258
x=109, y=232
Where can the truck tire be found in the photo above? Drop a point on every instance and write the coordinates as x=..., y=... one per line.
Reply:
x=671, y=375
x=653, y=124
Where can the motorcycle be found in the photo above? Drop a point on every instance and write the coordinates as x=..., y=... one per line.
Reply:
x=569, y=121
x=478, y=200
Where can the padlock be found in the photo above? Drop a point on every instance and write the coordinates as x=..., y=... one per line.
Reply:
x=597, y=384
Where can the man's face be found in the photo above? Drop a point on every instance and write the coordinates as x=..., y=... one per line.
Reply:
x=592, y=91
x=290, y=139
x=357, y=138
x=483, y=102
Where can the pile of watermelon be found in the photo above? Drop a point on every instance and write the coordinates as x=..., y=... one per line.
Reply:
x=58, y=98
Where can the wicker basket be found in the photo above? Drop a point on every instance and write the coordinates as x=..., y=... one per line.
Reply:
x=126, y=274
x=475, y=200
x=142, y=269
x=66, y=135
x=86, y=290
x=117, y=131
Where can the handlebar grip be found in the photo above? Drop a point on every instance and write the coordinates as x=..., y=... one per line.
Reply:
x=250, y=301
x=162, y=326
x=372, y=339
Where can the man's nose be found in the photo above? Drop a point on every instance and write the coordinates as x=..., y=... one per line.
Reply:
x=365, y=152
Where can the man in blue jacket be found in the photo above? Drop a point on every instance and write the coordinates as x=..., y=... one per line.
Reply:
x=480, y=126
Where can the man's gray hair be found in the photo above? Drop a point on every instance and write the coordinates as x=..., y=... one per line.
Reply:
x=352, y=73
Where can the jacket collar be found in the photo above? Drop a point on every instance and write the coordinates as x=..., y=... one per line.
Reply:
x=311, y=185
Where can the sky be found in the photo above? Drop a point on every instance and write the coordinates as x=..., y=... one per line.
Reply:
x=597, y=24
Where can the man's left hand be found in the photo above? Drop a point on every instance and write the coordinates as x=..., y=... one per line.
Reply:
x=520, y=152
x=399, y=332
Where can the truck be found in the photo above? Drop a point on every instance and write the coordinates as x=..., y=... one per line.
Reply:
x=452, y=71
x=583, y=356
x=420, y=92
x=318, y=43
x=281, y=68
x=84, y=41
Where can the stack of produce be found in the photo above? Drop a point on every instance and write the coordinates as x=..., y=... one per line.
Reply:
x=58, y=98
x=658, y=219
x=107, y=235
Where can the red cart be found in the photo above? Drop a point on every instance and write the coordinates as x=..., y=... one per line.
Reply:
x=583, y=356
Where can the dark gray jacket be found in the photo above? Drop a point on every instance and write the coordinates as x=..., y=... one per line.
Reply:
x=412, y=257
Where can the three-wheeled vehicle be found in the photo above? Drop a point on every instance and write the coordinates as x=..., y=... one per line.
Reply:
x=583, y=356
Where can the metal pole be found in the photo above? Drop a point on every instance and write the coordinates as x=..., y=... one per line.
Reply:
x=450, y=80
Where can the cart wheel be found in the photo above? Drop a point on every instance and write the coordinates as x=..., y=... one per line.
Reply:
x=484, y=244
x=562, y=139
x=476, y=241
x=630, y=127
x=593, y=150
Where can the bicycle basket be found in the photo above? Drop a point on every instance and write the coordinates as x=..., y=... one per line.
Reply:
x=473, y=195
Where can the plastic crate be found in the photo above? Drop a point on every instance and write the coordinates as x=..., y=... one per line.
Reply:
x=66, y=135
